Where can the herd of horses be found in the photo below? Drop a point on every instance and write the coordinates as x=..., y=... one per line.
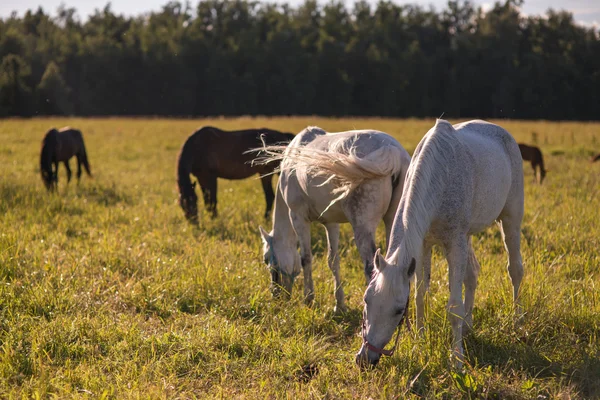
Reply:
x=461, y=179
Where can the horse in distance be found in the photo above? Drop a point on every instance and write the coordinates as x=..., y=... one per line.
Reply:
x=331, y=178
x=534, y=154
x=211, y=153
x=461, y=179
x=60, y=146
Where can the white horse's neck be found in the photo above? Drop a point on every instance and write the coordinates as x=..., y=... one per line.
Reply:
x=282, y=225
x=423, y=192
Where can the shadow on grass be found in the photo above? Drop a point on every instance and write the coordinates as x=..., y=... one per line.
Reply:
x=21, y=196
x=575, y=365
x=104, y=195
x=350, y=320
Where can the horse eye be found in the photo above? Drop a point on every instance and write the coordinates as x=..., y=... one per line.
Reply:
x=400, y=311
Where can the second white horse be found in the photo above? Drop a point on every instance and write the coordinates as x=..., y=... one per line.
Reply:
x=461, y=179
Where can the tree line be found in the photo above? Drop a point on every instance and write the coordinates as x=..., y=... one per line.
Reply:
x=238, y=57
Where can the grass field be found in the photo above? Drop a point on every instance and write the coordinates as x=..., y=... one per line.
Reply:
x=106, y=292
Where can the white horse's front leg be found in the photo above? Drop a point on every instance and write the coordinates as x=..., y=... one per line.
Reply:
x=365, y=241
x=333, y=260
x=422, y=276
x=302, y=228
x=457, y=256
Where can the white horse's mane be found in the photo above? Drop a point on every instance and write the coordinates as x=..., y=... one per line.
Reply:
x=424, y=186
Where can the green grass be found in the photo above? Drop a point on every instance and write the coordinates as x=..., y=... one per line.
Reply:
x=106, y=292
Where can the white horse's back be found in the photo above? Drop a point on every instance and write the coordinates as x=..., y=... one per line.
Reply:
x=339, y=163
x=498, y=170
x=473, y=169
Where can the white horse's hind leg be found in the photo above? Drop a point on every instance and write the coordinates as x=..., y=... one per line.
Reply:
x=457, y=256
x=471, y=275
x=365, y=207
x=302, y=228
x=511, y=234
x=333, y=260
x=422, y=278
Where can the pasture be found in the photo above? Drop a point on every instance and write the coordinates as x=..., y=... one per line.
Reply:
x=107, y=292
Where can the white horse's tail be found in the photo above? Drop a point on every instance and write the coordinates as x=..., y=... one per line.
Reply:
x=343, y=167
x=339, y=163
x=346, y=168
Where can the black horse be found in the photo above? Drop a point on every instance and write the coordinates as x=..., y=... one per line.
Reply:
x=60, y=146
x=211, y=153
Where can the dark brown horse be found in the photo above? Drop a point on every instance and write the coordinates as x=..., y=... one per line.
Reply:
x=534, y=154
x=210, y=153
x=60, y=146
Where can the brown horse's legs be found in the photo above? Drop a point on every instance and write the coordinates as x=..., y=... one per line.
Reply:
x=208, y=184
x=212, y=189
x=78, y=169
x=55, y=175
x=68, y=171
x=269, y=194
x=538, y=173
x=203, y=182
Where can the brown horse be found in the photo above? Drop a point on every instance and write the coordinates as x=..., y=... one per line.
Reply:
x=60, y=146
x=211, y=153
x=534, y=154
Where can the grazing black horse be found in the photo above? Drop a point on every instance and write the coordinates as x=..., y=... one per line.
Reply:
x=211, y=153
x=60, y=146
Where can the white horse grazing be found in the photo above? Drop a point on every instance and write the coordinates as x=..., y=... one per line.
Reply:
x=355, y=177
x=461, y=179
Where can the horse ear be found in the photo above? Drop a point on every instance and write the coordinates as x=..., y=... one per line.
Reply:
x=264, y=234
x=411, y=267
x=393, y=259
x=379, y=261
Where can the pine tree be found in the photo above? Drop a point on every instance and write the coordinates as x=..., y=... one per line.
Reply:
x=53, y=93
x=15, y=94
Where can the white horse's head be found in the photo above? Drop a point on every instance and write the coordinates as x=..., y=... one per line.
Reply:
x=386, y=303
x=283, y=262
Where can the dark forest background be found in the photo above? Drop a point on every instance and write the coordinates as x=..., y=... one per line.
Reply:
x=241, y=57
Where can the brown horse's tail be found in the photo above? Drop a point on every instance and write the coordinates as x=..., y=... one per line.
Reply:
x=82, y=155
x=541, y=163
x=49, y=144
x=84, y=161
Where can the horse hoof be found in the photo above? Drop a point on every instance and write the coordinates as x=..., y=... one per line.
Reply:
x=309, y=300
x=340, y=310
x=467, y=327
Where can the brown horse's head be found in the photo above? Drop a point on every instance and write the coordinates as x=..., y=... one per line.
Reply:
x=188, y=200
x=542, y=175
x=48, y=154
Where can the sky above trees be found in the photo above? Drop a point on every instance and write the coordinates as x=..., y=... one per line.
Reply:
x=586, y=12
